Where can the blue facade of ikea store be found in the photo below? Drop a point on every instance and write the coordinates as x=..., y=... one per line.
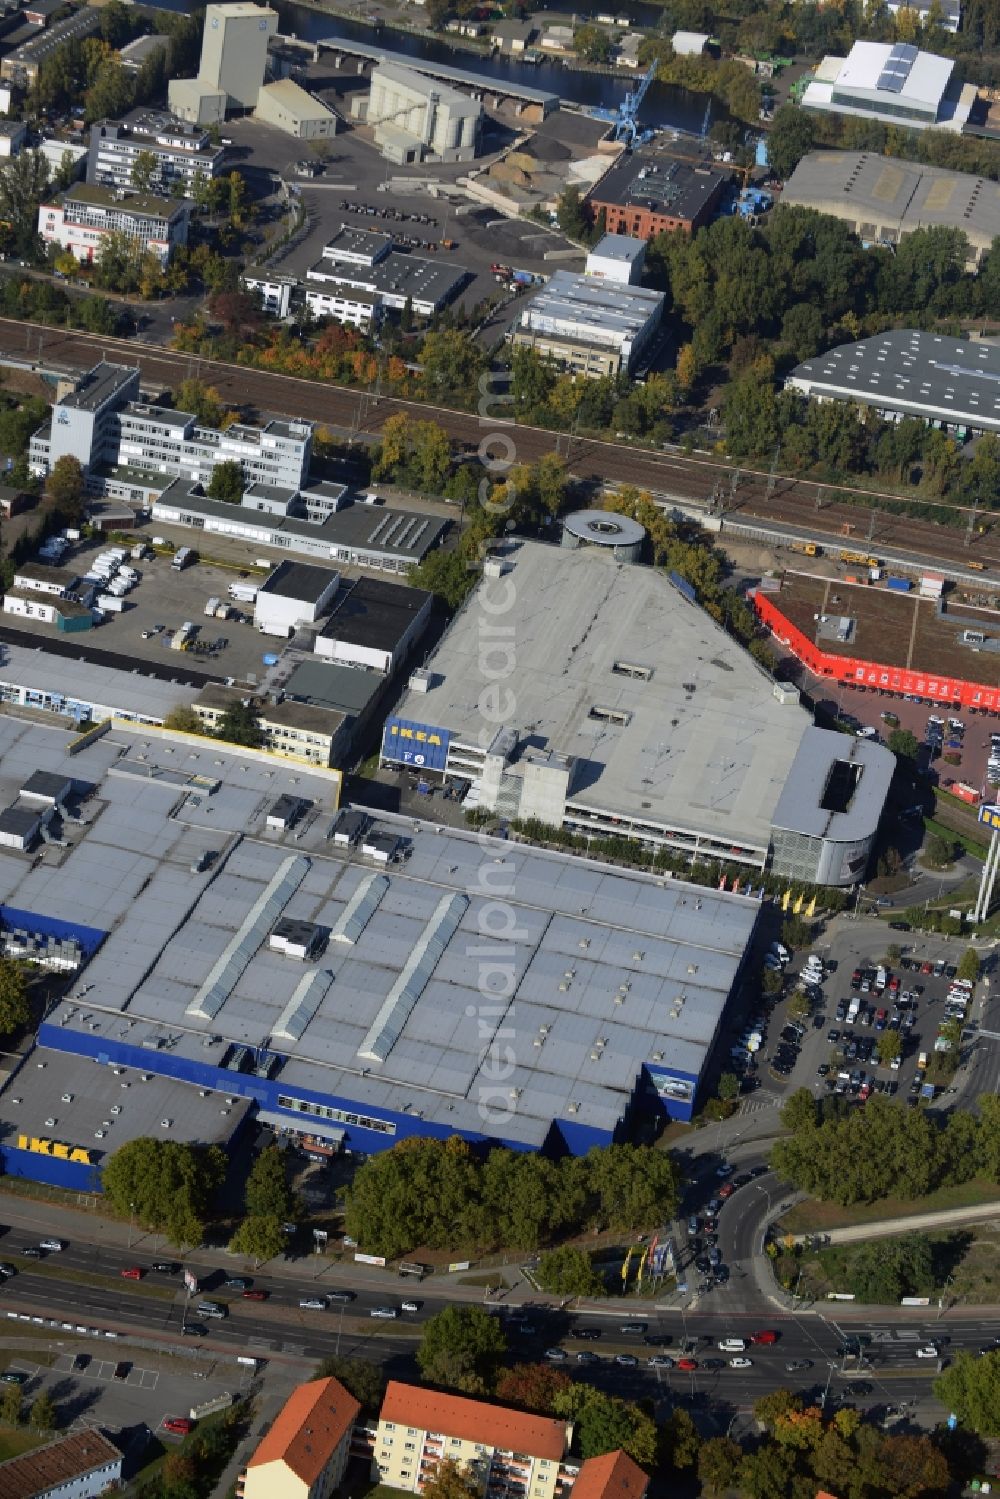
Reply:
x=267, y=1093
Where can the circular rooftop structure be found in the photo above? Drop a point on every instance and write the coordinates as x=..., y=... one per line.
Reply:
x=604, y=528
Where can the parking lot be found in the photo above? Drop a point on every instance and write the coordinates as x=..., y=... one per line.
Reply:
x=161, y=602
x=150, y=1388
x=356, y=175
x=829, y=1052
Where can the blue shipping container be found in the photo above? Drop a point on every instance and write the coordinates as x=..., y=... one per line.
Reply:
x=901, y=585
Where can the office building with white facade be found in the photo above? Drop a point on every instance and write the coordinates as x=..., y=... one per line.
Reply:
x=365, y=261
x=82, y=218
x=182, y=151
x=105, y=426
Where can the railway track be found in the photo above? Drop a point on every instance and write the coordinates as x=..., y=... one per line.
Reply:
x=807, y=508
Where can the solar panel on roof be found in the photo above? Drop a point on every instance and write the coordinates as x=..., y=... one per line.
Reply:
x=898, y=66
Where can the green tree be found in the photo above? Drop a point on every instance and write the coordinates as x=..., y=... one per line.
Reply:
x=904, y=744
x=448, y=575
x=110, y=95
x=775, y=1405
x=23, y=180
x=939, y=851
x=568, y=1271
x=988, y=1152
x=168, y=1185
x=364, y=1380
x=11, y=1405
x=15, y=1006
x=592, y=43
x=267, y=1192
x=968, y=968
x=65, y=485
x=260, y=1237
x=116, y=24
x=680, y=1439
x=798, y=1005
x=184, y=720
x=798, y=1112
x=790, y=138
x=888, y=1047
x=884, y=1270
x=42, y=1415
x=729, y=1087
x=227, y=482
x=719, y=1464
x=603, y=1423
x=970, y=1386
x=462, y=1348
x=571, y=215
x=633, y=1187
x=145, y=172
x=240, y=724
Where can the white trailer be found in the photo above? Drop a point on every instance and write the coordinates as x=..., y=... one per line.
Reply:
x=111, y=603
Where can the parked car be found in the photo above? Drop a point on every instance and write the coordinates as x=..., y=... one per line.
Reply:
x=180, y=1426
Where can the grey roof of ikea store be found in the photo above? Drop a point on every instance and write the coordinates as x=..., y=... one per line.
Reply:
x=707, y=747
x=583, y=918
x=159, y=804
x=94, y=1090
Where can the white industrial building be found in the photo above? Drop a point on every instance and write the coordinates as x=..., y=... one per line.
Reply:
x=82, y=218
x=363, y=260
x=893, y=82
x=415, y=118
x=106, y=426
x=288, y=106
x=617, y=258
x=373, y=624
x=689, y=43
x=294, y=594
x=589, y=325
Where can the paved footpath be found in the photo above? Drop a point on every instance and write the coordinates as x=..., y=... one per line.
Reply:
x=943, y=1219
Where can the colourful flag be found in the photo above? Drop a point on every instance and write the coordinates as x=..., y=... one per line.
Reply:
x=785, y=899
x=811, y=907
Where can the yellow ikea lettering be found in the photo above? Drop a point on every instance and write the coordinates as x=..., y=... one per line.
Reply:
x=417, y=734
x=55, y=1148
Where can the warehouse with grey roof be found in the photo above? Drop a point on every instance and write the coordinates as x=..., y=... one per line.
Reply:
x=883, y=198
x=952, y=383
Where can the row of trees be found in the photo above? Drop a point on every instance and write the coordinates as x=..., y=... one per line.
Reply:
x=440, y=1194
x=846, y=1155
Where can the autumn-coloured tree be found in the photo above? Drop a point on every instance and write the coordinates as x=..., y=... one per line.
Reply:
x=535, y=1387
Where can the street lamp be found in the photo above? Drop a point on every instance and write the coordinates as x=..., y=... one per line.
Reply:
x=131, y=1221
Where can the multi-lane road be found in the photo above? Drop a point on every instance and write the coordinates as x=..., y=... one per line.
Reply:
x=81, y=1292
x=807, y=506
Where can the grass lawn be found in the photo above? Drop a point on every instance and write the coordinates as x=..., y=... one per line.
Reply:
x=14, y=1442
x=98, y=1282
x=967, y=1258
x=819, y=1217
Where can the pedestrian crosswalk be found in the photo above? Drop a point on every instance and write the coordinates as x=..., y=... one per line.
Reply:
x=759, y=1101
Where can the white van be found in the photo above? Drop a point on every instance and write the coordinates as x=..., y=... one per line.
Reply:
x=732, y=1345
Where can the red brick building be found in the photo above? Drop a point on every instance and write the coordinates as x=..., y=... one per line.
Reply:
x=649, y=193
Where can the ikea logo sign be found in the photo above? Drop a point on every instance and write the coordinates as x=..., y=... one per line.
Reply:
x=420, y=735
x=422, y=745
x=55, y=1149
x=991, y=816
